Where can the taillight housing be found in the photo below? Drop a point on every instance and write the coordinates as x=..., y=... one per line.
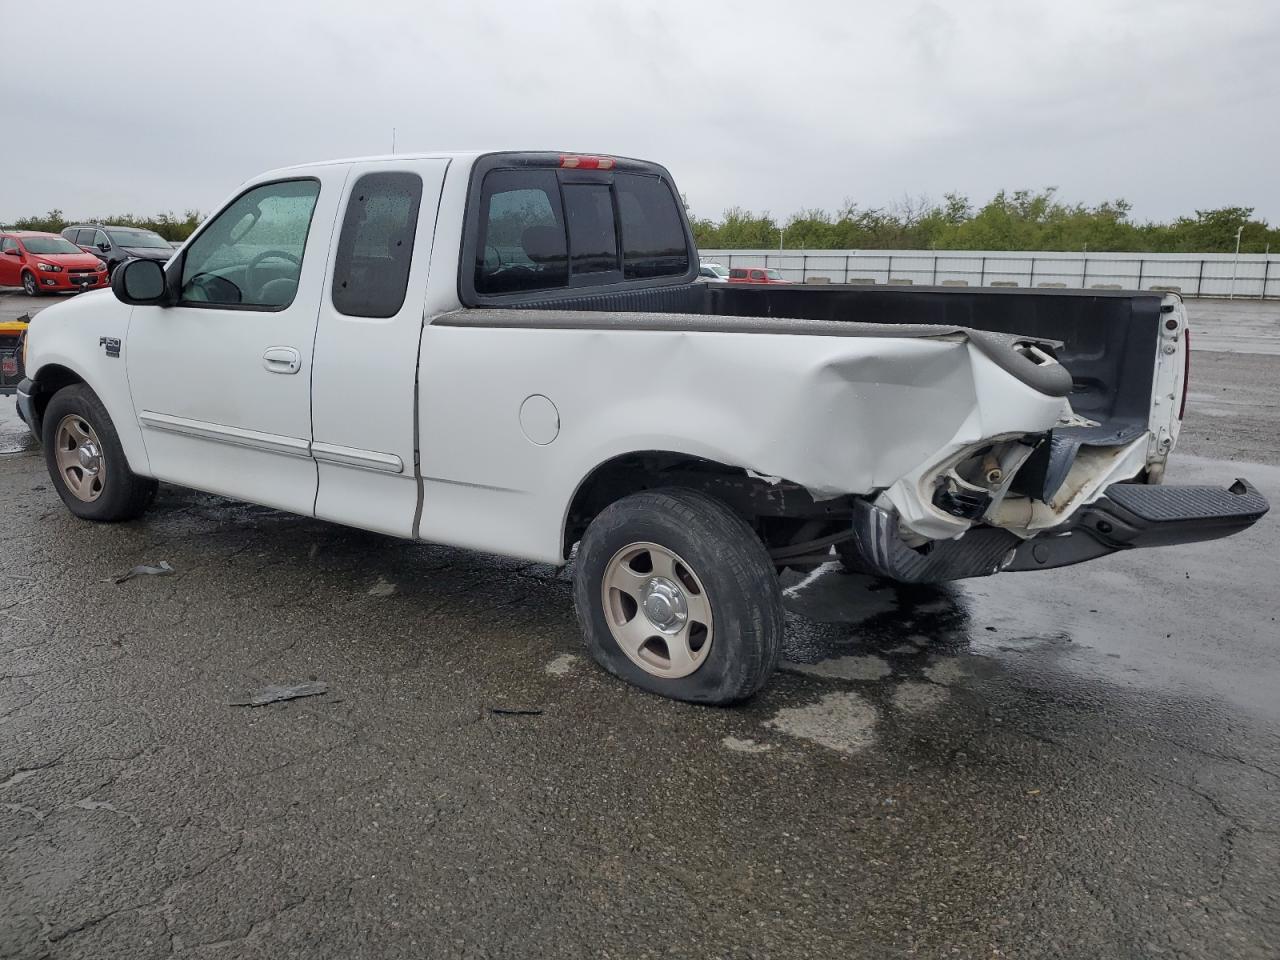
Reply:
x=571, y=161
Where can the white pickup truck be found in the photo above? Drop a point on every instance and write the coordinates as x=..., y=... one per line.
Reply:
x=510, y=352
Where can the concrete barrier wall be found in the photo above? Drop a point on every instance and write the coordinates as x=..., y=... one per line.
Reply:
x=1192, y=274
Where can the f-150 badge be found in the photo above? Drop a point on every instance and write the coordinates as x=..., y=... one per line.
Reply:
x=111, y=345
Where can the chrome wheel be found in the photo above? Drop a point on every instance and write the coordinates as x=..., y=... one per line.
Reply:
x=29, y=285
x=657, y=610
x=78, y=453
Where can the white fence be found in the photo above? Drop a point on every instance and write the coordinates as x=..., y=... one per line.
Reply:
x=1191, y=274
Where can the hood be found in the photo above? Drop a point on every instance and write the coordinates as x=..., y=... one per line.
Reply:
x=149, y=253
x=74, y=261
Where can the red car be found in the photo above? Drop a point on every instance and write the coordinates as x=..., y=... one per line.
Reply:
x=47, y=263
x=755, y=275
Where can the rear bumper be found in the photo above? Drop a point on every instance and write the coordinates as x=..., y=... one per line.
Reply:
x=1134, y=515
x=1129, y=516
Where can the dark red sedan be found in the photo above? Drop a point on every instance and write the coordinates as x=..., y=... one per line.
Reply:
x=47, y=263
x=755, y=275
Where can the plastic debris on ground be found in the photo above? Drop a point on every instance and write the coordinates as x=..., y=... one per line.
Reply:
x=161, y=569
x=278, y=694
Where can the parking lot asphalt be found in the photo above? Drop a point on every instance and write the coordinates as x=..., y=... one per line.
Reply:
x=1081, y=763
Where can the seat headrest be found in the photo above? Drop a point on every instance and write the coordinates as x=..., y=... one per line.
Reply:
x=543, y=244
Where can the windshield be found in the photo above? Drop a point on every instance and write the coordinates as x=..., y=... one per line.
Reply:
x=773, y=274
x=49, y=245
x=715, y=268
x=138, y=238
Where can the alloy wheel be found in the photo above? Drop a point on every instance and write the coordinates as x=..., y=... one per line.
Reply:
x=657, y=610
x=78, y=453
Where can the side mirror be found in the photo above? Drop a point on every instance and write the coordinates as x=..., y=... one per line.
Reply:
x=104, y=246
x=14, y=252
x=140, y=283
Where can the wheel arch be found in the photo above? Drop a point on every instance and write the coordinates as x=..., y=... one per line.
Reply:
x=59, y=372
x=758, y=499
x=49, y=379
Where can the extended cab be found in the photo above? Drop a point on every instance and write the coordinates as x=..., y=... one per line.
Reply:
x=510, y=352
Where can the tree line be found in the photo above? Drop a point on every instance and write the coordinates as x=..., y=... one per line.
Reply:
x=1017, y=220
x=168, y=225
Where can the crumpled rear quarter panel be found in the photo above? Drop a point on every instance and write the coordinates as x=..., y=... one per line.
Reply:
x=836, y=414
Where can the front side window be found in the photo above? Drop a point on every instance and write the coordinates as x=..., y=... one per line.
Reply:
x=250, y=254
x=375, y=249
x=522, y=237
x=8, y=243
x=100, y=239
x=85, y=237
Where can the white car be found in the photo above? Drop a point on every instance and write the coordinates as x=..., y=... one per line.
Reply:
x=710, y=272
x=509, y=352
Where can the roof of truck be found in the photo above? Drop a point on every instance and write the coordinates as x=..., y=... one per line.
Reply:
x=441, y=155
x=468, y=155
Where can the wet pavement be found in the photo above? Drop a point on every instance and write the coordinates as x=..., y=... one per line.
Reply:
x=1083, y=763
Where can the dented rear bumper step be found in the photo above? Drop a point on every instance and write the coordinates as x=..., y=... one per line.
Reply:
x=1135, y=515
x=1129, y=516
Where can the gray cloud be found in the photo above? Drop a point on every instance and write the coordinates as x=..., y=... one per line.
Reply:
x=161, y=105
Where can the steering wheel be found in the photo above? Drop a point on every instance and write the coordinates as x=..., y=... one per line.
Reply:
x=253, y=290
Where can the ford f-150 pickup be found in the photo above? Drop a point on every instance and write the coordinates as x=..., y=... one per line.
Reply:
x=510, y=352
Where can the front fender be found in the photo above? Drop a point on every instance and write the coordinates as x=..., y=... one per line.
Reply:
x=85, y=340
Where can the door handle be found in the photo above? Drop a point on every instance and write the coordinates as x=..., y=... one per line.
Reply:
x=282, y=360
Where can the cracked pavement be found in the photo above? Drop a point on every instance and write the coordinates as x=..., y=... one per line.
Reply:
x=1084, y=763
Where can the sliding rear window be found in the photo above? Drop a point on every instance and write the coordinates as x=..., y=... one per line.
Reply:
x=543, y=229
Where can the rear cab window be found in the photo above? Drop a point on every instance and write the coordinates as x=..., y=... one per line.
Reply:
x=535, y=227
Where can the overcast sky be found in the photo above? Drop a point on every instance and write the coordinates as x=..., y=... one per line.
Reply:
x=143, y=106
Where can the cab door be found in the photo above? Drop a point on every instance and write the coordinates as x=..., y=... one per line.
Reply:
x=221, y=382
x=371, y=313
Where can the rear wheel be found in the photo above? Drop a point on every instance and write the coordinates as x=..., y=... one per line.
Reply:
x=676, y=594
x=30, y=286
x=86, y=461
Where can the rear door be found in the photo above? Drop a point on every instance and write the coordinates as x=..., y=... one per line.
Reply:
x=366, y=349
x=221, y=382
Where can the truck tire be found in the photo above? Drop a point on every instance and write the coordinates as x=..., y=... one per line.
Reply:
x=676, y=595
x=86, y=462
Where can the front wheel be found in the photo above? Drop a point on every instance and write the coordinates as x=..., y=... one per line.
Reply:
x=86, y=461
x=30, y=286
x=677, y=595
